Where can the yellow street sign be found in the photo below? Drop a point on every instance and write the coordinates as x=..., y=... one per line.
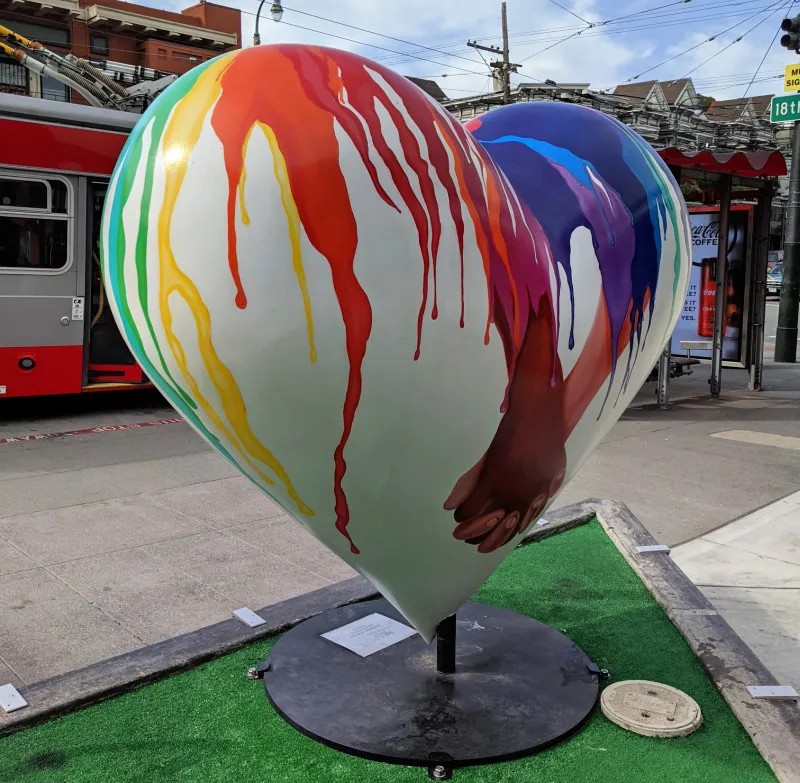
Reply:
x=791, y=80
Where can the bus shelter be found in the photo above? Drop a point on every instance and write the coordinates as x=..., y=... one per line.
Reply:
x=722, y=320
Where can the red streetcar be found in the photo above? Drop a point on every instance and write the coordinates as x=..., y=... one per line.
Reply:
x=57, y=334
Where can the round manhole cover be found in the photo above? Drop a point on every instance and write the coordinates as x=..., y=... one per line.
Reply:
x=651, y=708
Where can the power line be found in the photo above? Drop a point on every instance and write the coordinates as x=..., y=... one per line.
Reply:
x=725, y=48
x=564, y=8
x=627, y=30
x=560, y=41
x=769, y=46
x=381, y=35
x=573, y=32
x=770, y=8
x=384, y=48
x=607, y=22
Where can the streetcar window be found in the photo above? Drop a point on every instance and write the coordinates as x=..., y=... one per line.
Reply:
x=59, y=196
x=33, y=242
x=24, y=195
x=34, y=224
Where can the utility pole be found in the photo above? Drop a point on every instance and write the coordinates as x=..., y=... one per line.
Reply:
x=504, y=68
x=786, y=336
x=506, y=63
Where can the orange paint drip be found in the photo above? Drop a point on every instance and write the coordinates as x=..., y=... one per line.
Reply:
x=495, y=206
x=179, y=139
x=312, y=93
x=318, y=190
x=481, y=239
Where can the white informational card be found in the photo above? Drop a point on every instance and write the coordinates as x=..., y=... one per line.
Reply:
x=249, y=617
x=11, y=699
x=369, y=634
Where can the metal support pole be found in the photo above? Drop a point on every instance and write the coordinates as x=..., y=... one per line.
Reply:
x=786, y=336
x=759, y=300
x=722, y=285
x=256, y=34
x=446, y=645
x=662, y=392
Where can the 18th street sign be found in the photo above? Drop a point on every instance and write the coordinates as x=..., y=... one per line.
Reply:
x=784, y=108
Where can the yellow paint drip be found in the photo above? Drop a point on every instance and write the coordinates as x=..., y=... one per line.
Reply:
x=293, y=222
x=242, y=180
x=180, y=137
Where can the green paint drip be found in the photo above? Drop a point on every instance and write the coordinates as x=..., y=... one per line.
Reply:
x=126, y=169
x=158, y=125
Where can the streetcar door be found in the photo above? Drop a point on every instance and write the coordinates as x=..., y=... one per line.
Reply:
x=42, y=308
x=109, y=359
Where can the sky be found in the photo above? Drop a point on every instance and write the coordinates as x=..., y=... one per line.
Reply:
x=629, y=38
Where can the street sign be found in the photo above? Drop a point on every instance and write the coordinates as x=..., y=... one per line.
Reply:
x=784, y=108
x=791, y=78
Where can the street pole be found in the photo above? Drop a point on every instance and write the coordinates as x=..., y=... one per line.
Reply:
x=721, y=294
x=506, y=63
x=759, y=299
x=502, y=67
x=662, y=387
x=786, y=336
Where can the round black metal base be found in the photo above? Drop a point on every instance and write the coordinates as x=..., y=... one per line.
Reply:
x=519, y=687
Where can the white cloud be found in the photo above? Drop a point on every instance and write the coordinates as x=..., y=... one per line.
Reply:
x=603, y=56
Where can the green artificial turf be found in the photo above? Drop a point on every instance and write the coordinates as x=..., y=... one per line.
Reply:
x=211, y=725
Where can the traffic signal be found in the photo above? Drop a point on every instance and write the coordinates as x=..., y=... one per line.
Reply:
x=792, y=38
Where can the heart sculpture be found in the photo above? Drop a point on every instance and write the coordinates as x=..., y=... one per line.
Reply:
x=409, y=334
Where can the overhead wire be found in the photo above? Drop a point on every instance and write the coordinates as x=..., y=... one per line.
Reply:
x=769, y=46
x=769, y=8
x=381, y=35
x=384, y=48
x=574, y=30
x=728, y=46
x=608, y=22
x=564, y=8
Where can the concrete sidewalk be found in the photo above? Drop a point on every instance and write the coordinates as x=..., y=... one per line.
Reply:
x=117, y=539
x=750, y=571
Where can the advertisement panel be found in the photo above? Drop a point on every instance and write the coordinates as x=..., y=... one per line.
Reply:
x=774, y=272
x=697, y=317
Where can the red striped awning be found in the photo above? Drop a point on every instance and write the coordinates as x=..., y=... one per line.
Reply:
x=745, y=164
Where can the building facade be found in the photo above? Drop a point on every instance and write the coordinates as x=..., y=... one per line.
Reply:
x=666, y=114
x=130, y=42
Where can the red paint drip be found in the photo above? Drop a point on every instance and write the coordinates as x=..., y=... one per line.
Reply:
x=233, y=254
x=310, y=91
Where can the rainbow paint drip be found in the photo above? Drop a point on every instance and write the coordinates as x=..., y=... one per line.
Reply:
x=407, y=332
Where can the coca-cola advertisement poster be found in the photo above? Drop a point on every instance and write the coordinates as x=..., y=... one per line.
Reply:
x=696, y=323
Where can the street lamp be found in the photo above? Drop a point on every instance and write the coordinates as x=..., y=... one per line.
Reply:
x=276, y=12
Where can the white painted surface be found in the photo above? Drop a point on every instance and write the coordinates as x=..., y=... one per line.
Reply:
x=760, y=438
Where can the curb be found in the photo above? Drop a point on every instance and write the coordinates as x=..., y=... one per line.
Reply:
x=774, y=727
x=51, y=698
